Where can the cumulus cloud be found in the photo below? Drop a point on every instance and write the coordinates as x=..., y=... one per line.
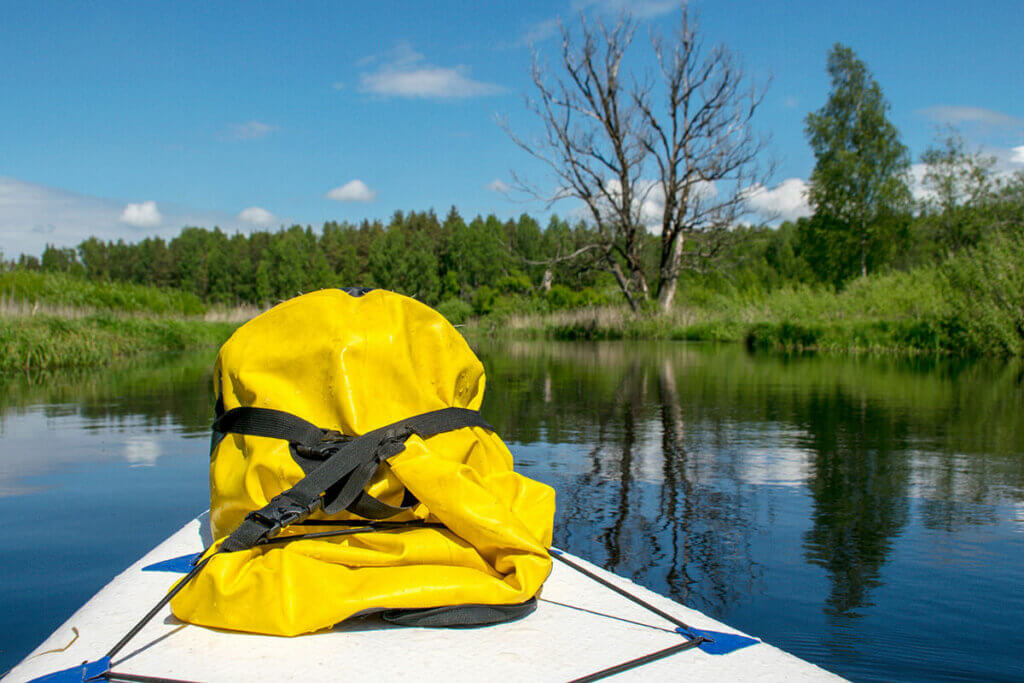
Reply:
x=648, y=201
x=352, y=191
x=498, y=186
x=954, y=116
x=34, y=215
x=257, y=215
x=1017, y=155
x=142, y=215
x=786, y=201
x=406, y=73
x=251, y=130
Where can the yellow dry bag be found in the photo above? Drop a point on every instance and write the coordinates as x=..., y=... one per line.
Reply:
x=351, y=472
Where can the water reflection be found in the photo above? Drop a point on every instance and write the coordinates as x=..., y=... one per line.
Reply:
x=732, y=481
x=858, y=512
x=96, y=467
x=49, y=421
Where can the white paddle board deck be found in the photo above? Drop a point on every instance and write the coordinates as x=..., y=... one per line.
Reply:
x=580, y=627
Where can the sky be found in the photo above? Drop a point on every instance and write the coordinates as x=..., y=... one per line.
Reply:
x=124, y=120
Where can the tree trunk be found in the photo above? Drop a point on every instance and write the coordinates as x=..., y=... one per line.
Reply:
x=621, y=279
x=669, y=275
x=863, y=252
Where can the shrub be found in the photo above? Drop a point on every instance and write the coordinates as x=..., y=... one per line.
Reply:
x=560, y=297
x=455, y=310
x=483, y=300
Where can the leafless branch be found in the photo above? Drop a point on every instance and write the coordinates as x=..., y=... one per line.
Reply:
x=682, y=139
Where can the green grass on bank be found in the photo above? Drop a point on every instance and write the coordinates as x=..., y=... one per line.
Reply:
x=63, y=290
x=45, y=341
x=973, y=304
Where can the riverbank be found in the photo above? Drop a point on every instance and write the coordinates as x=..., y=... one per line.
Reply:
x=41, y=342
x=971, y=305
x=764, y=331
x=57, y=320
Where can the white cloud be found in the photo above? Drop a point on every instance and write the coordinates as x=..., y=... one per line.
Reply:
x=953, y=115
x=786, y=201
x=1017, y=155
x=251, y=130
x=499, y=186
x=352, y=191
x=648, y=201
x=34, y=215
x=142, y=215
x=407, y=74
x=257, y=216
x=640, y=9
x=917, y=187
x=540, y=31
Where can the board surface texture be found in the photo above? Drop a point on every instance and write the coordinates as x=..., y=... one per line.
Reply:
x=580, y=627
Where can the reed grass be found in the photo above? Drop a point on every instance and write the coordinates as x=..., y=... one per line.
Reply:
x=29, y=343
x=973, y=304
x=21, y=287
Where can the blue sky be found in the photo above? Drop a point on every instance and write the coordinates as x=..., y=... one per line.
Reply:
x=130, y=119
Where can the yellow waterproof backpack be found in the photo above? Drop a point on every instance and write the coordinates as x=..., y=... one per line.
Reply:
x=350, y=472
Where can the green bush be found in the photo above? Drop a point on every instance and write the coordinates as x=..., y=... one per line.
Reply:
x=560, y=297
x=484, y=299
x=517, y=282
x=455, y=310
x=62, y=289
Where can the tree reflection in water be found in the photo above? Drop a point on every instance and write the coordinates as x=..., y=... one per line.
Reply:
x=673, y=461
x=826, y=504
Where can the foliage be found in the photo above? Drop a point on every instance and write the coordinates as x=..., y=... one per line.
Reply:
x=62, y=289
x=971, y=305
x=455, y=310
x=859, y=186
x=42, y=341
x=960, y=186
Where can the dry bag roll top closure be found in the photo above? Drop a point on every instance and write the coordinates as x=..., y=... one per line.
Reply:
x=351, y=471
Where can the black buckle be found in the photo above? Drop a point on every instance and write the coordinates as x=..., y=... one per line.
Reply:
x=281, y=511
x=329, y=444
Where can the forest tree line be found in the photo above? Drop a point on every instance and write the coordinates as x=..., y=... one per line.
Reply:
x=517, y=264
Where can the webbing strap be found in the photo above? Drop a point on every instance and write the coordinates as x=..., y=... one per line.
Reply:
x=342, y=475
x=276, y=424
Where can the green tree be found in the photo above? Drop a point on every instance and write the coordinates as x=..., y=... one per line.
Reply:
x=62, y=260
x=403, y=260
x=960, y=188
x=860, y=176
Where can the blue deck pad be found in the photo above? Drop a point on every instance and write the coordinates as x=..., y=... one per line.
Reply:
x=182, y=565
x=89, y=671
x=722, y=643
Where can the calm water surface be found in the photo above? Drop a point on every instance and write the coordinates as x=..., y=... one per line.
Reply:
x=865, y=514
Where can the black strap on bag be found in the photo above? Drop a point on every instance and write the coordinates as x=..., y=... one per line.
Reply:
x=338, y=467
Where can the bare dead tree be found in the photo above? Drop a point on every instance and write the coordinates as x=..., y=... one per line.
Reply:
x=673, y=152
x=590, y=144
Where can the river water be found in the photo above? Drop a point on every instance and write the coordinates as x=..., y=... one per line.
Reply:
x=865, y=514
